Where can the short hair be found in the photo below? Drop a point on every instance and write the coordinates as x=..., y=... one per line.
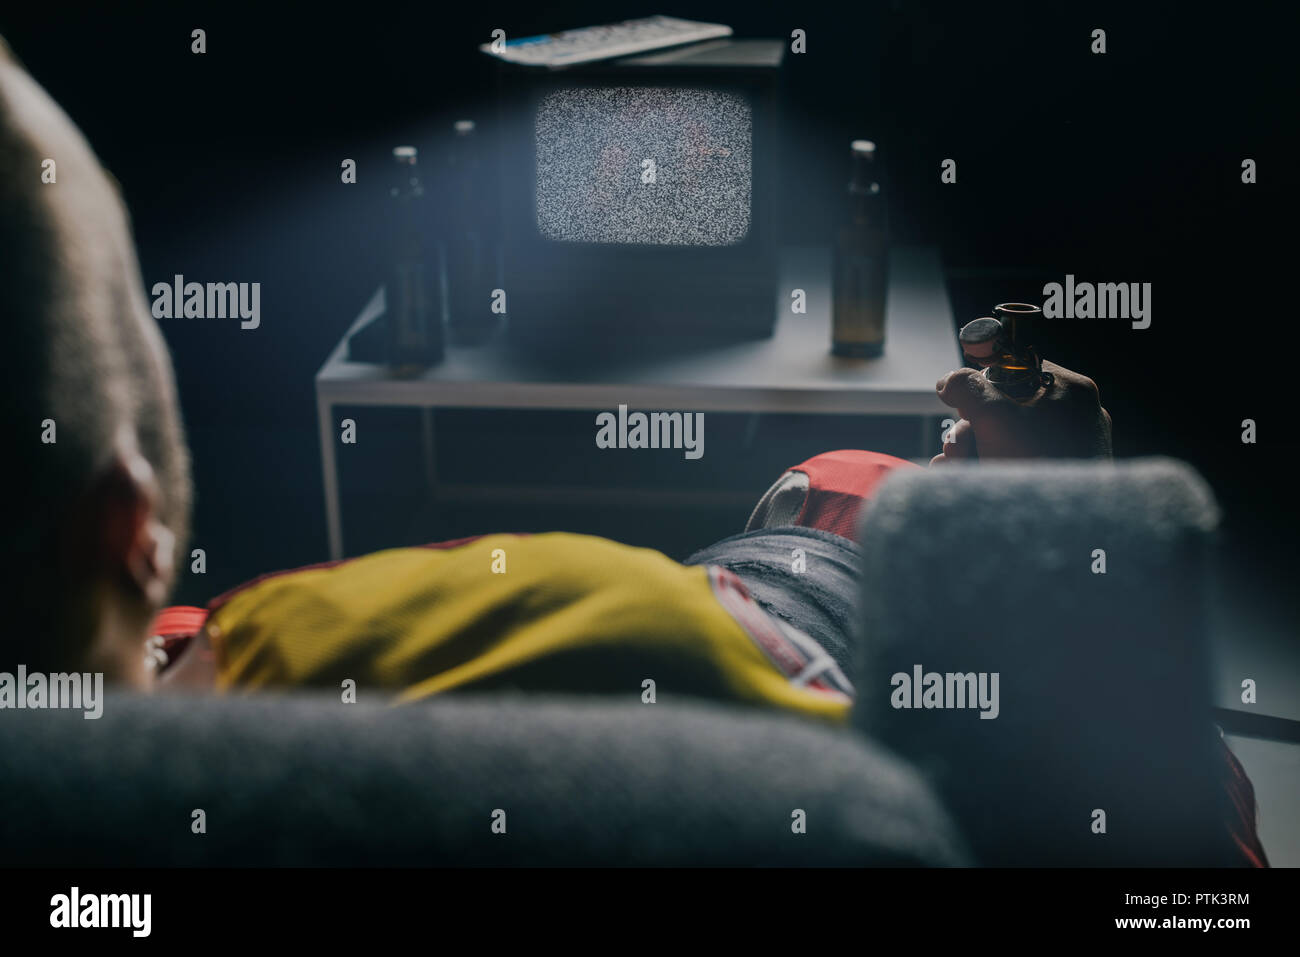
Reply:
x=80, y=349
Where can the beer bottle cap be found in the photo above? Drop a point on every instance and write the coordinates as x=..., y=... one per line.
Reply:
x=979, y=337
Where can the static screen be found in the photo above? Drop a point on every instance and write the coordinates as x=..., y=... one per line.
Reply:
x=668, y=167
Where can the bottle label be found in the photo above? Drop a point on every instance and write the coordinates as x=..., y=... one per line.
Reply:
x=409, y=310
x=859, y=299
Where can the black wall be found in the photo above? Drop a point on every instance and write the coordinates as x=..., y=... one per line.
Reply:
x=1120, y=167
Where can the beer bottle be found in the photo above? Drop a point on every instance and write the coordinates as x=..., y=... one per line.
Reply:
x=1001, y=346
x=413, y=318
x=861, y=263
x=469, y=284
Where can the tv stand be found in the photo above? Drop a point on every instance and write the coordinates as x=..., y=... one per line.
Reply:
x=792, y=371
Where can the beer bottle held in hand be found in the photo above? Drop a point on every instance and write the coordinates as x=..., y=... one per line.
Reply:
x=1001, y=346
x=861, y=263
x=413, y=317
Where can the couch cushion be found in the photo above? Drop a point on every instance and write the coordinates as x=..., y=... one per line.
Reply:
x=300, y=780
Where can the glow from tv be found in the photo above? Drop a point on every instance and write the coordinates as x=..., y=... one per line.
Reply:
x=644, y=165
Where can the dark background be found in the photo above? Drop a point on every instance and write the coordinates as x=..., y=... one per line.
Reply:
x=1119, y=167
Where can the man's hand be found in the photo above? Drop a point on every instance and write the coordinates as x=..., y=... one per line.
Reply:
x=1063, y=420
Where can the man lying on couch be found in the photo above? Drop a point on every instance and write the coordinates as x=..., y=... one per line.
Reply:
x=104, y=511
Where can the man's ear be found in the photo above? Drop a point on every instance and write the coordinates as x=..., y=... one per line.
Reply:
x=132, y=549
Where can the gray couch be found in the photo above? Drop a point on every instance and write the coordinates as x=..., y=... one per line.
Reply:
x=1103, y=705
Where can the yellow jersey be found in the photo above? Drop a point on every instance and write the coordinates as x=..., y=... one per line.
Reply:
x=554, y=612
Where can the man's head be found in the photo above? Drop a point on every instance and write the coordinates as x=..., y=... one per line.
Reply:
x=97, y=466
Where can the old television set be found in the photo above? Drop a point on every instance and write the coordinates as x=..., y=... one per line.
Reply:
x=638, y=196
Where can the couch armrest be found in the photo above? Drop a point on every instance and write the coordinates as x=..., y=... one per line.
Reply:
x=1104, y=701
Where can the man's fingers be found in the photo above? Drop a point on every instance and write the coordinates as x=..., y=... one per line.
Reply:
x=1073, y=385
x=959, y=442
x=969, y=392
